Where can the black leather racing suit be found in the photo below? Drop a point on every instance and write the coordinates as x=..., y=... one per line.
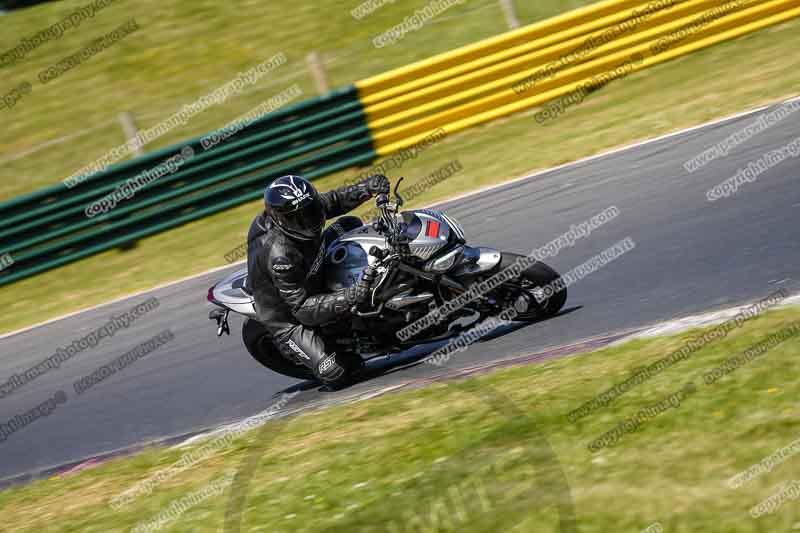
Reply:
x=284, y=276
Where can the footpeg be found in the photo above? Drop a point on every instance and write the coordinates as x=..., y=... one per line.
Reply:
x=221, y=316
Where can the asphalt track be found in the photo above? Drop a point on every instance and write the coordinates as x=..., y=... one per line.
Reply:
x=691, y=256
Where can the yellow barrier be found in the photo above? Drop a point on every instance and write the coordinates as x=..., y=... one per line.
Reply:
x=397, y=85
x=489, y=46
x=500, y=88
x=526, y=75
x=529, y=64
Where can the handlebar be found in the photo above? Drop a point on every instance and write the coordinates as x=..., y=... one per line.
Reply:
x=388, y=223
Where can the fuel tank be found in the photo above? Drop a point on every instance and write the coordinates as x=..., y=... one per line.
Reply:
x=426, y=232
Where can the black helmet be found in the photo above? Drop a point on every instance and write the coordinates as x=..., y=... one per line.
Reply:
x=294, y=204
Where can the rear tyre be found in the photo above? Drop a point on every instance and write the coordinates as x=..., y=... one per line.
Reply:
x=259, y=344
x=531, y=284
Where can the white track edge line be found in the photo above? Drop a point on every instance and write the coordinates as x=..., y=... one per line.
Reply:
x=675, y=326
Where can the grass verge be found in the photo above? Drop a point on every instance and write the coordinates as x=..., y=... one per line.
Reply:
x=445, y=456
x=750, y=71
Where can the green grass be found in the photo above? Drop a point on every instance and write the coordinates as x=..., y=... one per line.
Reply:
x=173, y=64
x=184, y=50
x=485, y=454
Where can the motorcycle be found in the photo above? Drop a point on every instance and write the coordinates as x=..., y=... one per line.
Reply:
x=422, y=261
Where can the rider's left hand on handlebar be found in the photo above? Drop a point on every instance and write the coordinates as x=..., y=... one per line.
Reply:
x=379, y=184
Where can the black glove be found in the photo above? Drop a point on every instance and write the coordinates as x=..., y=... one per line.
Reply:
x=359, y=292
x=378, y=184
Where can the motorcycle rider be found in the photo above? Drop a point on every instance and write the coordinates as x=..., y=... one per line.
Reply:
x=286, y=246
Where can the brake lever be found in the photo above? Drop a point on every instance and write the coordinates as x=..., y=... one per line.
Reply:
x=378, y=311
x=400, y=200
x=382, y=257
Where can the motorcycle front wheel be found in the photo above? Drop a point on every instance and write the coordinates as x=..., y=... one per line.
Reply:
x=531, y=285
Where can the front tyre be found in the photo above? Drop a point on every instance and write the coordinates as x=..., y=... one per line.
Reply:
x=533, y=285
x=259, y=343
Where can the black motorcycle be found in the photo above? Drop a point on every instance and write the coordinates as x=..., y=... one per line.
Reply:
x=423, y=261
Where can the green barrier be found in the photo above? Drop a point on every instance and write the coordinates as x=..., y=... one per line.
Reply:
x=71, y=211
x=218, y=207
x=49, y=228
x=277, y=125
x=162, y=200
x=340, y=99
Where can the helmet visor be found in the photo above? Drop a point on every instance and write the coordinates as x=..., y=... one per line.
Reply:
x=306, y=221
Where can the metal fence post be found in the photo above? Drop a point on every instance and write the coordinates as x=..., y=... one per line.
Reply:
x=511, y=14
x=317, y=68
x=130, y=129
